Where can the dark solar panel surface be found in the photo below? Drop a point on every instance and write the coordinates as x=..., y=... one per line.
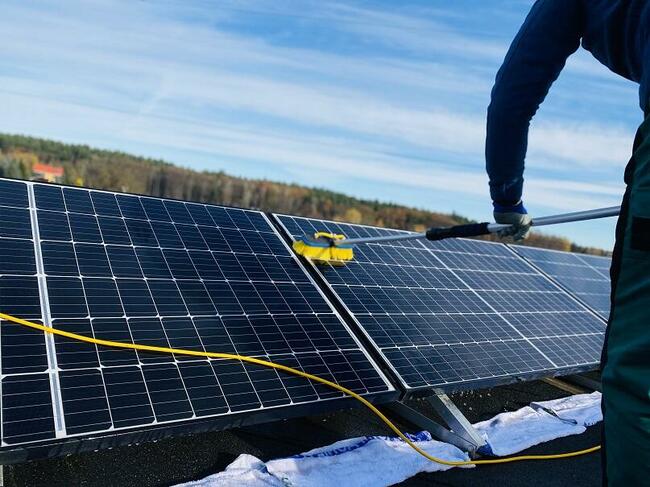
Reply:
x=586, y=276
x=158, y=272
x=457, y=311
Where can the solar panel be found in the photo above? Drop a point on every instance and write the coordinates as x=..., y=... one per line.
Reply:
x=159, y=272
x=586, y=276
x=457, y=313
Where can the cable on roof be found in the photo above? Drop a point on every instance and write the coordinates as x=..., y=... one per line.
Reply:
x=290, y=370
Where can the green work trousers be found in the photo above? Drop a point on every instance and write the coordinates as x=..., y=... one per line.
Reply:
x=626, y=355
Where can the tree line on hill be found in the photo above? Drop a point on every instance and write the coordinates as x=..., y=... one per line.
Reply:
x=118, y=171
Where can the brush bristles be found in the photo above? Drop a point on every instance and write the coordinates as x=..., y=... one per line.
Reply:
x=323, y=255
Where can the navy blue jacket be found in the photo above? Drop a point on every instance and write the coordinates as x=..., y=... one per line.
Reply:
x=614, y=31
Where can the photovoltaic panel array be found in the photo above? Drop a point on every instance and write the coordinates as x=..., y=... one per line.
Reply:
x=457, y=313
x=156, y=272
x=585, y=276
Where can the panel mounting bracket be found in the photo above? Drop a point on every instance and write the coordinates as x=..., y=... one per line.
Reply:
x=575, y=383
x=584, y=381
x=458, y=430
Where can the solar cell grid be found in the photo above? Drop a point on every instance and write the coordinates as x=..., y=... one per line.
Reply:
x=455, y=312
x=586, y=276
x=567, y=350
x=166, y=273
x=187, y=275
x=600, y=263
x=27, y=413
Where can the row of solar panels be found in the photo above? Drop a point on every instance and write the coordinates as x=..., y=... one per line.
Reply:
x=403, y=318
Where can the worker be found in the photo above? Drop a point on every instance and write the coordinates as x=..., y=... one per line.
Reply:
x=616, y=32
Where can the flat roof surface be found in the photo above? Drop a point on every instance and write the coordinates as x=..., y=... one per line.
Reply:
x=176, y=460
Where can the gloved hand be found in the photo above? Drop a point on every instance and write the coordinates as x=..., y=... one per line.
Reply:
x=517, y=216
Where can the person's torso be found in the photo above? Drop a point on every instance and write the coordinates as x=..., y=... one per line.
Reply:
x=616, y=33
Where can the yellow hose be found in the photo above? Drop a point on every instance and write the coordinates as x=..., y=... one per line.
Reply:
x=290, y=370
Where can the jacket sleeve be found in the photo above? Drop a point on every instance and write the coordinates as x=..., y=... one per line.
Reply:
x=549, y=35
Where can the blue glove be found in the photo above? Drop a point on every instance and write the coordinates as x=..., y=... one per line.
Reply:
x=515, y=215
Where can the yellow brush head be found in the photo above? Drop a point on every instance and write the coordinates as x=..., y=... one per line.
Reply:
x=322, y=250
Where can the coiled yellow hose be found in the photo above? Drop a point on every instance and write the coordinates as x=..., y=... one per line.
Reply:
x=290, y=370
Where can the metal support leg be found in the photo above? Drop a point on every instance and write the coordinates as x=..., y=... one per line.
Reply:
x=456, y=420
x=437, y=431
x=459, y=432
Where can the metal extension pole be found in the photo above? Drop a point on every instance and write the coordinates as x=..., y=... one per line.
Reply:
x=387, y=238
x=576, y=216
x=477, y=229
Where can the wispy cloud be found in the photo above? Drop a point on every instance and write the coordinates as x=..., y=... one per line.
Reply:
x=385, y=96
x=334, y=156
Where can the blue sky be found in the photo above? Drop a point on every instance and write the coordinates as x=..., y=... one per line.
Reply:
x=377, y=99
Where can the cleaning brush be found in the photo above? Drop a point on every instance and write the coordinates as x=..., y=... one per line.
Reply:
x=335, y=249
x=324, y=248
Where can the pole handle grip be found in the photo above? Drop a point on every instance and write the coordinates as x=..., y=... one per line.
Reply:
x=458, y=231
x=485, y=228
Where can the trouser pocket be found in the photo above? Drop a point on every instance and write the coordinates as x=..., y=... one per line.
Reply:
x=640, y=234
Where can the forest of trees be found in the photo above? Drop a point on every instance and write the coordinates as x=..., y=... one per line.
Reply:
x=118, y=171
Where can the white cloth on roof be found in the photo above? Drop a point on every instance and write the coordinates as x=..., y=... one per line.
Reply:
x=369, y=460
x=512, y=432
x=246, y=470
x=382, y=461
